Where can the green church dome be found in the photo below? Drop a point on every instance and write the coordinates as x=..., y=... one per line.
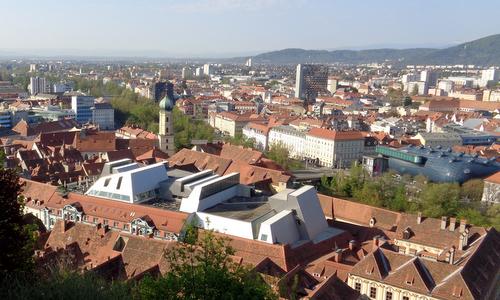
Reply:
x=168, y=102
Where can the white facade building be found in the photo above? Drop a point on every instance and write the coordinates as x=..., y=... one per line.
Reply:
x=207, y=69
x=338, y=149
x=38, y=85
x=259, y=133
x=293, y=139
x=129, y=182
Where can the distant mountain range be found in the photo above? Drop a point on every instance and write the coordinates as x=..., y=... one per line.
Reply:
x=484, y=51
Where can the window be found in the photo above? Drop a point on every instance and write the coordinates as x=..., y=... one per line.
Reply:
x=406, y=298
x=96, y=220
x=357, y=286
x=105, y=222
x=119, y=184
x=115, y=224
x=263, y=237
x=125, y=226
x=373, y=292
x=106, y=182
x=388, y=296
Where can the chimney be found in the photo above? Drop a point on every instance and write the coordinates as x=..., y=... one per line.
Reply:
x=451, y=258
x=463, y=224
x=443, y=222
x=462, y=241
x=352, y=245
x=375, y=242
x=419, y=218
x=64, y=225
x=338, y=255
x=453, y=223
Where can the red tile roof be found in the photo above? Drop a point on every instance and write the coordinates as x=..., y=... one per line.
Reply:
x=336, y=135
x=166, y=220
x=495, y=178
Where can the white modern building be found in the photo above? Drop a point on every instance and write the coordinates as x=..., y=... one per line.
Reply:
x=207, y=69
x=218, y=202
x=289, y=217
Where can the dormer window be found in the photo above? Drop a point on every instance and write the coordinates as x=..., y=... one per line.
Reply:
x=369, y=270
x=410, y=280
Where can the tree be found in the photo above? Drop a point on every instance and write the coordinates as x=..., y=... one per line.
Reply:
x=62, y=284
x=370, y=194
x=281, y=155
x=472, y=190
x=241, y=140
x=2, y=158
x=201, y=268
x=440, y=199
x=16, y=239
x=407, y=101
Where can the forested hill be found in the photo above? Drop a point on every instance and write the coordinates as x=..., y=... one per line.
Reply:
x=484, y=51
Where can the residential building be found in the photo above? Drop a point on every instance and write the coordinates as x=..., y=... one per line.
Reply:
x=230, y=123
x=62, y=87
x=332, y=84
x=207, y=69
x=259, y=133
x=310, y=81
x=491, y=191
x=82, y=106
x=103, y=115
x=491, y=95
x=439, y=139
x=293, y=139
x=446, y=85
x=337, y=149
x=38, y=85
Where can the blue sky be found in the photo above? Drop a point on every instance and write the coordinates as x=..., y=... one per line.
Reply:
x=183, y=28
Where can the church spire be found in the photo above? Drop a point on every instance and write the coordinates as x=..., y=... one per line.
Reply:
x=166, y=127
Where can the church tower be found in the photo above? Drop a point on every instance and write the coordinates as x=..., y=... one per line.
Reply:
x=166, y=125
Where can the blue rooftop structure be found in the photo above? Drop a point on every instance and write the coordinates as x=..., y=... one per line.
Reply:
x=437, y=164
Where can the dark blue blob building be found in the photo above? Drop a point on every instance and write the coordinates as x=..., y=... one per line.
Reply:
x=439, y=165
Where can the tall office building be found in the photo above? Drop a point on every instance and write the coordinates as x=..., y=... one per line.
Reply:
x=38, y=85
x=332, y=84
x=82, y=106
x=429, y=77
x=310, y=81
x=207, y=69
x=490, y=74
x=186, y=73
x=248, y=63
x=33, y=67
x=199, y=72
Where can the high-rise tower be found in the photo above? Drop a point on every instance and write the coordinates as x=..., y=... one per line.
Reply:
x=166, y=126
x=310, y=81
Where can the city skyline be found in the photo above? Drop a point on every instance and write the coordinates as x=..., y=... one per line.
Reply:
x=222, y=28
